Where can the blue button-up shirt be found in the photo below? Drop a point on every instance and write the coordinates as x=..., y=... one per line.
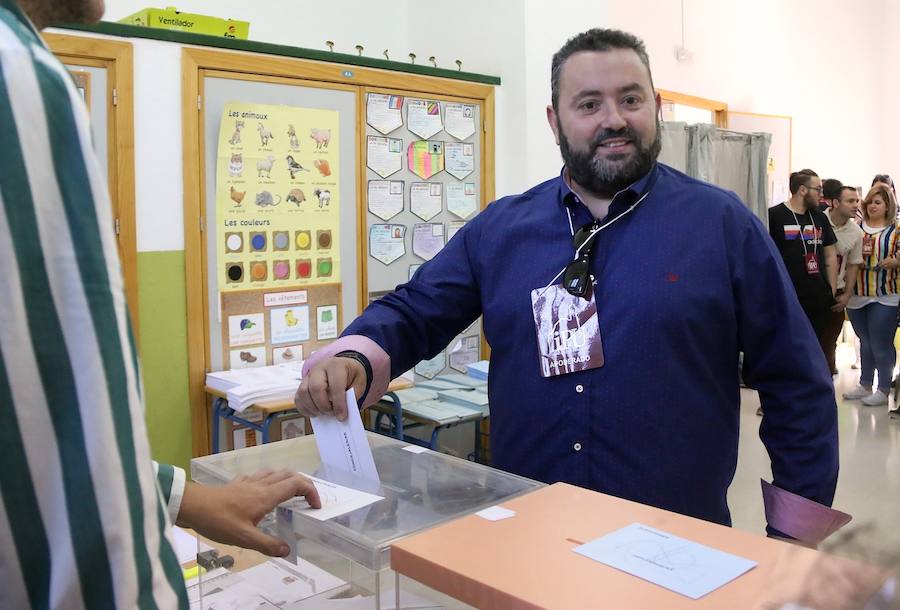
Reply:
x=683, y=283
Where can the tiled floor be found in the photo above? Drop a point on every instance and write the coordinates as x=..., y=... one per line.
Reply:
x=869, y=482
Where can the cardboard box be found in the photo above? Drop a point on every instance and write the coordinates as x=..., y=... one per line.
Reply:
x=171, y=19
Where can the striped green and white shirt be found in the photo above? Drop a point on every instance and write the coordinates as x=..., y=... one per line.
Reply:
x=83, y=520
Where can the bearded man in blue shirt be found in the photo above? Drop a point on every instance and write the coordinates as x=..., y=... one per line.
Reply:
x=639, y=286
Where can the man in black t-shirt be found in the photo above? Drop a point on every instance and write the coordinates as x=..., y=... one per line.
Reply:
x=807, y=244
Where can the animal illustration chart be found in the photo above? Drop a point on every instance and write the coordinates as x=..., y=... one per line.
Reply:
x=277, y=197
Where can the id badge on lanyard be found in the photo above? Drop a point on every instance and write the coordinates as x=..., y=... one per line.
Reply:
x=812, y=263
x=868, y=245
x=568, y=331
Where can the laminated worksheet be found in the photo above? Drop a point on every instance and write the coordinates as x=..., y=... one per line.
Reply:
x=426, y=199
x=383, y=112
x=459, y=159
x=462, y=199
x=428, y=239
x=423, y=117
x=459, y=120
x=384, y=156
x=387, y=243
x=385, y=198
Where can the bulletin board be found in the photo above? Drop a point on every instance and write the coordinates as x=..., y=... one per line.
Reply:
x=278, y=327
x=416, y=199
x=220, y=88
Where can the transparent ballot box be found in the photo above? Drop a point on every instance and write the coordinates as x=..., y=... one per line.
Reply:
x=343, y=561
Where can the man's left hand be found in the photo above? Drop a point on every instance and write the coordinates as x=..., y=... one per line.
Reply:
x=230, y=513
x=841, y=301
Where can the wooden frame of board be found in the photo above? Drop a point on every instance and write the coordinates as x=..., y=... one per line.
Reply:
x=198, y=64
x=116, y=58
x=719, y=109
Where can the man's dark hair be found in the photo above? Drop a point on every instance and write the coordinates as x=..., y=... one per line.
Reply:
x=596, y=39
x=847, y=188
x=831, y=188
x=801, y=178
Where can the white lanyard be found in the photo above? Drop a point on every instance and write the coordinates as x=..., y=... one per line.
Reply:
x=594, y=231
x=812, y=222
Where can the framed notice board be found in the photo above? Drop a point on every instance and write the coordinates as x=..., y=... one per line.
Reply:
x=277, y=221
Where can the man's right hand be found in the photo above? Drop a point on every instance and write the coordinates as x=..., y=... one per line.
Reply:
x=323, y=389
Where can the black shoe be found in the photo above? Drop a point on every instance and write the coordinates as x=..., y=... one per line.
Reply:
x=895, y=414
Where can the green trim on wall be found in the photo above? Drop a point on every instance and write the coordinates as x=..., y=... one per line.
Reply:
x=134, y=31
x=164, y=356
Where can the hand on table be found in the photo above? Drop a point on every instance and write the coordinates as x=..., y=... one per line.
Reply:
x=230, y=513
x=323, y=389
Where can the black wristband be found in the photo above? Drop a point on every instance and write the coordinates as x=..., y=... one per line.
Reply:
x=361, y=358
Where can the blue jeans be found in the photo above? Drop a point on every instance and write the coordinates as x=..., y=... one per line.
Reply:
x=875, y=325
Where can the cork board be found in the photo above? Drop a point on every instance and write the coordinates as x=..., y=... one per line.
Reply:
x=274, y=326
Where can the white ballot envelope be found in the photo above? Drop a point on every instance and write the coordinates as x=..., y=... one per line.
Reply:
x=343, y=445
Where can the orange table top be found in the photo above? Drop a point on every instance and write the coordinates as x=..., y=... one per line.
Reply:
x=527, y=562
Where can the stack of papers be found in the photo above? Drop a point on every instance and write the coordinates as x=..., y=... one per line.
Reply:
x=441, y=412
x=478, y=370
x=244, y=387
x=438, y=383
x=411, y=395
x=472, y=399
x=277, y=583
x=465, y=381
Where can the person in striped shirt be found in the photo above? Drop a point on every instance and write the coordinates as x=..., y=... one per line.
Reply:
x=83, y=521
x=873, y=306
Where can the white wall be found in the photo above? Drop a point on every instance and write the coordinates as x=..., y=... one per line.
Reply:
x=824, y=62
x=889, y=132
x=818, y=61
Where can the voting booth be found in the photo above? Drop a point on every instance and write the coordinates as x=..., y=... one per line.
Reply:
x=342, y=552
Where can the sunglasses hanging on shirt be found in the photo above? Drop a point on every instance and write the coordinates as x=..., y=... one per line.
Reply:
x=577, y=275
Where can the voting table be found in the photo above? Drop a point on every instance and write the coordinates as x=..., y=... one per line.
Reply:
x=527, y=561
x=419, y=489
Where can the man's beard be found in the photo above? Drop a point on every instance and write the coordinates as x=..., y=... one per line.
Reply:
x=811, y=202
x=603, y=177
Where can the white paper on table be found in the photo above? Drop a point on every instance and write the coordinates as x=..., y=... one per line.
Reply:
x=282, y=582
x=186, y=545
x=343, y=445
x=408, y=601
x=496, y=513
x=675, y=563
x=416, y=449
x=336, y=499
